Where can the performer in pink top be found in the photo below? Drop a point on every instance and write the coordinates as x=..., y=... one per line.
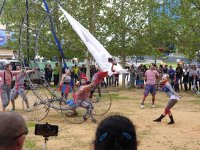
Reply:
x=6, y=77
x=150, y=75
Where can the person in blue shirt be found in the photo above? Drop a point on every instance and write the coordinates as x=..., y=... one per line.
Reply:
x=171, y=72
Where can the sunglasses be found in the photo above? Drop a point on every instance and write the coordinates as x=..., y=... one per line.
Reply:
x=24, y=133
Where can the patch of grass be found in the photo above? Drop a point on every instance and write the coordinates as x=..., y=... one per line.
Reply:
x=30, y=124
x=116, y=96
x=29, y=144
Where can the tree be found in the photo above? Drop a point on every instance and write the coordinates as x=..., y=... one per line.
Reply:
x=122, y=22
x=188, y=24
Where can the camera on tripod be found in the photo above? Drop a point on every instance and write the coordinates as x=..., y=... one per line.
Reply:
x=111, y=60
x=46, y=130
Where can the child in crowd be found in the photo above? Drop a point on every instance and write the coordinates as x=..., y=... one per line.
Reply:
x=186, y=79
x=175, y=83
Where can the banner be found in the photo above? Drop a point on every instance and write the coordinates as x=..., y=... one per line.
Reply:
x=5, y=36
x=99, y=53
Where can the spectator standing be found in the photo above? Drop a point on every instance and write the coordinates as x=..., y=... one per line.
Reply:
x=127, y=74
x=176, y=84
x=140, y=77
x=46, y=72
x=132, y=76
x=72, y=75
x=171, y=73
x=83, y=69
x=193, y=76
x=50, y=74
x=165, y=69
x=179, y=74
x=56, y=71
x=115, y=133
x=93, y=70
x=186, y=79
x=198, y=76
x=76, y=72
x=116, y=77
x=13, y=131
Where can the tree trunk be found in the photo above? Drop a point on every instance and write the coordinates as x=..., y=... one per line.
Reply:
x=123, y=35
x=123, y=75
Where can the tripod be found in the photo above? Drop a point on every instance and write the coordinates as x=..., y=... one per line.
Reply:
x=45, y=143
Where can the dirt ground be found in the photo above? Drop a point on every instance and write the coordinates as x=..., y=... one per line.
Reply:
x=183, y=135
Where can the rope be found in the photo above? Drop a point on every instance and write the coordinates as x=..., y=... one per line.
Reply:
x=53, y=32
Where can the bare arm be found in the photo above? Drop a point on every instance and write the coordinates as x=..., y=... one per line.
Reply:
x=61, y=81
x=171, y=89
x=1, y=73
x=86, y=88
x=29, y=71
x=16, y=72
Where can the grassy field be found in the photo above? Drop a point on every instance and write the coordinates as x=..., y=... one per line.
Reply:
x=183, y=135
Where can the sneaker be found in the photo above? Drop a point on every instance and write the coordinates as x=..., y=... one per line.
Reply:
x=94, y=120
x=142, y=106
x=84, y=118
x=171, y=122
x=153, y=106
x=28, y=109
x=13, y=109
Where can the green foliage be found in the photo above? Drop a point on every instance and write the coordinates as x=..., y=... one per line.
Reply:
x=126, y=27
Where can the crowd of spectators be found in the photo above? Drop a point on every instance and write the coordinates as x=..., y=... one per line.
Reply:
x=184, y=77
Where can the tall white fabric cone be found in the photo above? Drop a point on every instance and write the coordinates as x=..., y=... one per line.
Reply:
x=99, y=53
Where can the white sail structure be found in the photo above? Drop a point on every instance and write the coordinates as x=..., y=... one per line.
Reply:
x=99, y=53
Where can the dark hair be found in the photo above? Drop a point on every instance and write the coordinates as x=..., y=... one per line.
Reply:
x=115, y=133
x=7, y=65
x=110, y=59
x=154, y=65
